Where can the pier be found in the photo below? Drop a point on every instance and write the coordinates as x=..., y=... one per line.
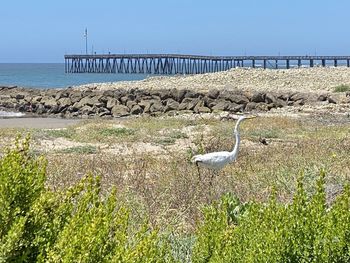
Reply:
x=170, y=64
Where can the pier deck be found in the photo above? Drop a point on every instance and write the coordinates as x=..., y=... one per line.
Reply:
x=168, y=64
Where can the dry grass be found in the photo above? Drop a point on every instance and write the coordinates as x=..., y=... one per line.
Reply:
x=166, y=186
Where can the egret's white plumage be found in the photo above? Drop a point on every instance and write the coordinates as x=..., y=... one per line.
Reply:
x=217, y=160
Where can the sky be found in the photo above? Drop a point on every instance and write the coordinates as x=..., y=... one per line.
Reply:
x=44, y=31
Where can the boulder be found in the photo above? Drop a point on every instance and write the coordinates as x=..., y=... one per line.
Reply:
x=213, y=93
x=131, y=104
x=171, y=105
x=49, y=101
x=136, y=109
x=270, y=98
x=64, y=102
x=250, y=106
x=258, y=97
x=178, y=95
x=157, y=106
x=120, y=111
x=221, y=105
x=86, y=110
x=202, y=109
x=111, y=103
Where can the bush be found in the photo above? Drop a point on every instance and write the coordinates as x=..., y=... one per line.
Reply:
x=342, y=88
x=304, y=231
x=75, y=225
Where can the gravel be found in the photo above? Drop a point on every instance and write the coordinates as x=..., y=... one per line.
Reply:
x=316, y=79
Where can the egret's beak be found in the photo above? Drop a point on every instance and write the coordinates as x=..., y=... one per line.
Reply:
x=251, y=117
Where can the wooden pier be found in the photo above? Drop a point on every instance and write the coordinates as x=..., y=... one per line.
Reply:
x=169, y=64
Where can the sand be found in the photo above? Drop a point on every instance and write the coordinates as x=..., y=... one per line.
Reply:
x=37, y=123
x=316, y=79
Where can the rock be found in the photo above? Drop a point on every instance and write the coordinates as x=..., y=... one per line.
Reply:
x=131, y=104
x=136, y=109
x=236, y=107
x=126, y=98
x=111, y=103
x=299, y=102
x=250, y=106
x=322, y=97
x=222, y=105
x=262, y=106
x=183, y=106
x=297, y=96
x=270, y=98
x=48, y=101
x=41, y=109
x=191, y=94
x=202, y=109
x=19, y=96
x=86, y=110
x=120, y=111
x=171, y=105
x=64, y=102
x=213, y=93
x=157, y=106
x=75, y=96
x=178, y=95
x=53, y=109
x=280, y=103
x=36, y=99
x=233, y=97
x=61, y=94
x=164, y=94
x=258, y=97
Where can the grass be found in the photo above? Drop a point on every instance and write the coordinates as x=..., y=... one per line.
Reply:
x=85, y=149
x=166, y=186
x=341, y=88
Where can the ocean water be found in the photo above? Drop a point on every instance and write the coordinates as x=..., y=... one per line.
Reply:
x=40, y=75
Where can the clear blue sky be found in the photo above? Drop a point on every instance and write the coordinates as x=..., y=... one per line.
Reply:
x=44, y=30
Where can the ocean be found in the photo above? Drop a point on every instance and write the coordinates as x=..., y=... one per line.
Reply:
x=51, y=75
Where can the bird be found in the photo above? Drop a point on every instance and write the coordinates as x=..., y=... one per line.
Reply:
x=218, y=160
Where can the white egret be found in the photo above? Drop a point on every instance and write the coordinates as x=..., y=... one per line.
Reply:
x=217, y=160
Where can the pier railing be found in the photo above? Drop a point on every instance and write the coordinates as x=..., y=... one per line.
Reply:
x=189, y=64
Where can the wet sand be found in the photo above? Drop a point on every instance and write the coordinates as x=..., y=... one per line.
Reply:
x=37, y=123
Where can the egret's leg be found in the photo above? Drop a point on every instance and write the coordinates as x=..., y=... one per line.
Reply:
x=199, y=172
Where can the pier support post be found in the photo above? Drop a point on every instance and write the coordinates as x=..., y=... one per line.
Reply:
x=276, y=64
x=287, y=64
x=253, y=63
x=264, y=63
x=299, y=63
x=348, y=62
x=311, y=63
x=323, y=62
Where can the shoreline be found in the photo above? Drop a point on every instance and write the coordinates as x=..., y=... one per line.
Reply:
x=236, y=90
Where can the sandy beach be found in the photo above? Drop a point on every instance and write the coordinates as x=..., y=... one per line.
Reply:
x=37, y=123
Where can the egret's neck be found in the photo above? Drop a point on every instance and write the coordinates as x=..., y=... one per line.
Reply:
x=237, y=140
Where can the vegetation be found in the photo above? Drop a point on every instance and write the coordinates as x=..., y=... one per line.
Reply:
x=74, y=225
x=342, y=88
x=162, y=211
x=79, y=224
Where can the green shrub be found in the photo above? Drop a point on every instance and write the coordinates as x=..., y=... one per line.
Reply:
x=342, y=88
x=304, y=231
x=83, y=149
x=74, y=225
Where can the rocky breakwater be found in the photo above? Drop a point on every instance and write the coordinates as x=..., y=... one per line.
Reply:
x=92, y=102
